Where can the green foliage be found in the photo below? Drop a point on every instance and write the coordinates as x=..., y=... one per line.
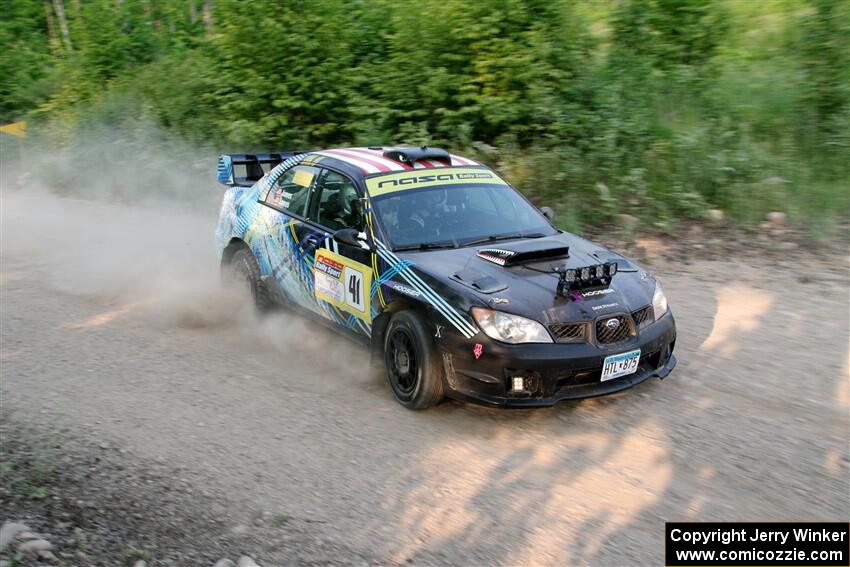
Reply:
x=26, y=67
x=670, y=32
x=31, y=478
x=80, y=541
x=655, y=108
x=131, y=555
x=825, y=47
x=38, y=493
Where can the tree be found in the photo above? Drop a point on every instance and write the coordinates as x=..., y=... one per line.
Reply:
x=670, y=32
x=825, y=49
x=27, y=62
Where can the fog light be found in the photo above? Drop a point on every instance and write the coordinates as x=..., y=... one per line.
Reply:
x=571, y=276
x=600, y=271
x=612, y=268
x=517, y=384
x=585, y=274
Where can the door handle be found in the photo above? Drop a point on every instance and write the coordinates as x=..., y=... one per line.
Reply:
x=312, y=240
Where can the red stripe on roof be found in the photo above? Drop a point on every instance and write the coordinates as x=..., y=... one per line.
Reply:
x=373, y=161
x=377, y=156
x=380, y=154
x=383, y=165
x=432, y=163
x=463, y=160
x=365, y=165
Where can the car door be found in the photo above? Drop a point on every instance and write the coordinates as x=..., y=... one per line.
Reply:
x=342, y=272
x=282, y=239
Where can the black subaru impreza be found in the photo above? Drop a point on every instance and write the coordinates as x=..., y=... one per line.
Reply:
x=455, y=281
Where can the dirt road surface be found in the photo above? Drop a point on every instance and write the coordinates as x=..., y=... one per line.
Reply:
x=114, y=329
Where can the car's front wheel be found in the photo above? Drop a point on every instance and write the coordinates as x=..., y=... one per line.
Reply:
x=412, y=361
x=244, y=271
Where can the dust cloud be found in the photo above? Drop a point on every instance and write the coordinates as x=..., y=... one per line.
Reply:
x=131, y=225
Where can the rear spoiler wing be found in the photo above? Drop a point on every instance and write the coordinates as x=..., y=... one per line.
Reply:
x=246, y=169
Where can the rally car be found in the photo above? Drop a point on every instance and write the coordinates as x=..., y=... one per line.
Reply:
x=458, y=284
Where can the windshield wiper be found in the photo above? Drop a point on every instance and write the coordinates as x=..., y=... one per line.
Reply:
x=503, y=237
x=425, y=246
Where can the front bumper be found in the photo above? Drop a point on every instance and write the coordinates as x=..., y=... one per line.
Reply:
x=555, y=372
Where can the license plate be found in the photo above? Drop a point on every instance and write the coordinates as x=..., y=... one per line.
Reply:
x=618, y=365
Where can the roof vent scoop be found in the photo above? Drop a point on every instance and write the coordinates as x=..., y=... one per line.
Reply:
x=507, y=258
x=411, y=155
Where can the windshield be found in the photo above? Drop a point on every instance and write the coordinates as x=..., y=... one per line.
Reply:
x=457, y=215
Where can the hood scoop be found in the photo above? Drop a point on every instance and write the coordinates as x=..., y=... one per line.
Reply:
x=519, y=254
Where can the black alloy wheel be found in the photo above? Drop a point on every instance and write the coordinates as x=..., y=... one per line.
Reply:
x=402, y=362
x=412, y=361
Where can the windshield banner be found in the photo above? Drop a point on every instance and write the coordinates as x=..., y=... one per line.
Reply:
x=416, y=179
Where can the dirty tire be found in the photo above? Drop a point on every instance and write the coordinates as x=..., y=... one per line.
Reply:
x=245, y=271
x=412, y=362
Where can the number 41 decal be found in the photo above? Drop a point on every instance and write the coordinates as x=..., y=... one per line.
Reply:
x=354, y=288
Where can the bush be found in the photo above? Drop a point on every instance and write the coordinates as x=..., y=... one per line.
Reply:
x=655, y=108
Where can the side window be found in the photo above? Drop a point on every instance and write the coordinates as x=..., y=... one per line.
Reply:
x=291, y=191
x=338, y=203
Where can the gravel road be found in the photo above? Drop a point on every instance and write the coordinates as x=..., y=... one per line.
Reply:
x=114, y=330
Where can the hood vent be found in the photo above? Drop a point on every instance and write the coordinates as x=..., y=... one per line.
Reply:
x=505, y=257
x=479, y=281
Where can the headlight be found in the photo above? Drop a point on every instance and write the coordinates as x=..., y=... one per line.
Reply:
x=510, y=328
x=659, y=301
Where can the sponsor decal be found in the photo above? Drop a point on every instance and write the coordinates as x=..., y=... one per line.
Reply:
x=328, y=280
x=401, y=288
x=499, y=301
x=604, y=306
x=329, y=267
x=478, y=350
x=413, y=179
x=303, y=178
x=576, y=295
x=342, y=282
x=431, y=178
x=596, y=292
x=438, y=334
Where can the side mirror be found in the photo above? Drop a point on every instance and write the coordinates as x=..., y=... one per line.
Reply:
x=349, y=236
x=548, y=213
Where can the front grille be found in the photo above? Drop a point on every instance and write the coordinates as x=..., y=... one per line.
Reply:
x=642, y=316
x=606, y=335
x=569, y=332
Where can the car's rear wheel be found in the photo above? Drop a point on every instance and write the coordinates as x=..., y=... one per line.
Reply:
x=243, y=271
x=412, y=362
